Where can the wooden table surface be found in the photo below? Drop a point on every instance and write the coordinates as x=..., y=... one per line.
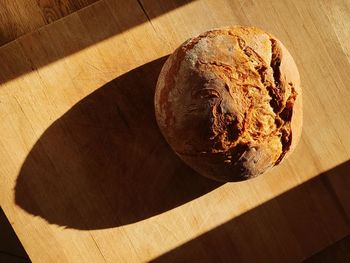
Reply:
x=85, y=175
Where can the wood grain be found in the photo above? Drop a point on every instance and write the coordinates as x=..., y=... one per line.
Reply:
x=20, y=17
x=86, y=176
x=53, y=9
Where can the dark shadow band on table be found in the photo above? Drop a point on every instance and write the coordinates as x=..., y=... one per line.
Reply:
x=77, y=31
x=289, y=228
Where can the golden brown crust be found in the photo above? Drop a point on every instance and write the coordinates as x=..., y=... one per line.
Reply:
x=229, y=102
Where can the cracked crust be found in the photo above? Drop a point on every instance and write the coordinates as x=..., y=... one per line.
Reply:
x=229, y=103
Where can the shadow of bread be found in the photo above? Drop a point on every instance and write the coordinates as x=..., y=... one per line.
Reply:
x=104, y=163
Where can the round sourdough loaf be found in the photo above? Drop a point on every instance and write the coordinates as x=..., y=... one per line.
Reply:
x=229, y=102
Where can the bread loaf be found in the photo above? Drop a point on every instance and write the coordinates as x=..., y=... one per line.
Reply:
x=229, y=103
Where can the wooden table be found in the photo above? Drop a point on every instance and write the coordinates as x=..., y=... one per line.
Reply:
x=87, y=177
